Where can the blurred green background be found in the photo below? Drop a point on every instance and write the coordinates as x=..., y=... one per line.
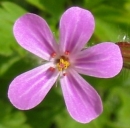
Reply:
x=112, y=24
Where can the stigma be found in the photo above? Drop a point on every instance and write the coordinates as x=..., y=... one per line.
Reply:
x=62, y=63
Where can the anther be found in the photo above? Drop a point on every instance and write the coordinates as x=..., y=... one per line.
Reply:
x=53, y=54
x=67, y=53
x=51, y=69
x=62, y=64
x=64, y=74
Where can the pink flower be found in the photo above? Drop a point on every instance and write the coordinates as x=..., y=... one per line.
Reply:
x=64, y=60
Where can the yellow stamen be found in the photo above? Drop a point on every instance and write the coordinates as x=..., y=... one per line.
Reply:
x=63, y=64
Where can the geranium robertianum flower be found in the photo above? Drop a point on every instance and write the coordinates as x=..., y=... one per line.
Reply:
x=64, y=61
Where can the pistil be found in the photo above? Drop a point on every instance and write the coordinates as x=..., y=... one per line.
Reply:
x=62, y=63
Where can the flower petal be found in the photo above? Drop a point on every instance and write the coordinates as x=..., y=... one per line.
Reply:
x=33, y=34
x=76, y=28
x=82, y=100
x=102, y=60
x=29, y=89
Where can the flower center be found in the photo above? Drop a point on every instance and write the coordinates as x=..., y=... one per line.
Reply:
x=62, y=63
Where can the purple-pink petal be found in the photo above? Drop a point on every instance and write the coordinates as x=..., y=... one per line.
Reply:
x=102, y=60
x=29, y=89
x=76, y=28
x=82, y=100
x=33, y=34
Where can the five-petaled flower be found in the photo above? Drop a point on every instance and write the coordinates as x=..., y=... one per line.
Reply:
x=64, y=61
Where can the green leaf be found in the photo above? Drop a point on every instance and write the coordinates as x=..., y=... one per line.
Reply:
x=6, y=63
x=10, y=119
x=8, y=16
x=53, y=7
x=105, y=31
x=36, y=3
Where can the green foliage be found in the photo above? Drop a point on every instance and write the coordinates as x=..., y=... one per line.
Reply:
x=50, y=6
x=9, y=12
x=11, y=119
x=112, y=23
